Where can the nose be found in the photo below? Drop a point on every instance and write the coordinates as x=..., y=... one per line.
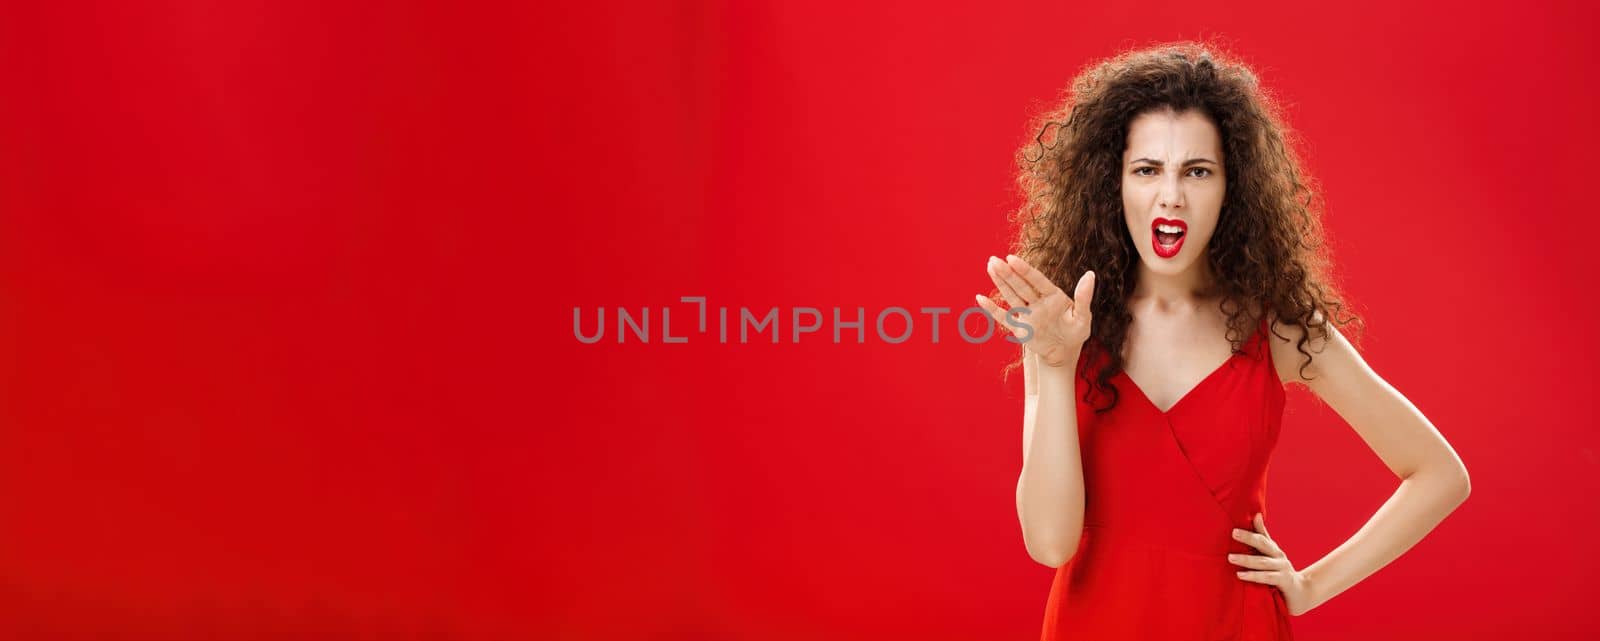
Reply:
x=1171, y=193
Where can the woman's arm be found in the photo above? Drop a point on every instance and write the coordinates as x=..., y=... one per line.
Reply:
x=1433, y=481
x=1050, y=488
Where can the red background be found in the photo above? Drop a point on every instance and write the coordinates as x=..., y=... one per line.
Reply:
x=286, y=292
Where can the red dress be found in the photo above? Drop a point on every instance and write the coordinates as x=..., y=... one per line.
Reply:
x=1163, y=492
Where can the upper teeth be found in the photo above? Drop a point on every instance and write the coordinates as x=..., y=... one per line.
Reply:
x=1169, y=229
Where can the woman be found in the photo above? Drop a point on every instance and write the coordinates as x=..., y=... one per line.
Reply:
x=1165, y=191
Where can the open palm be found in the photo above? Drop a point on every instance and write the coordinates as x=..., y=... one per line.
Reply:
x=1060, y=324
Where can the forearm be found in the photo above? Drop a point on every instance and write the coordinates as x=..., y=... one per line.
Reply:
x=1420, y=503
x=1050, y=487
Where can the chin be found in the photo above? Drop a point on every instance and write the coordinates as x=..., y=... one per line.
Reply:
x=1167, y=266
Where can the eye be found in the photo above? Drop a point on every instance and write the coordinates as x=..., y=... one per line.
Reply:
x=1138, y=171
x=1201, y=169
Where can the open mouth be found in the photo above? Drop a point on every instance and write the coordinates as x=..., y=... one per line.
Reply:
x=1167, y=235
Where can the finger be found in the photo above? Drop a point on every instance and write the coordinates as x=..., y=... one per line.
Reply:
x=998, y=314
x=1035, y=278
x=1257, y=541
x=1261, y=526
x=1018, y=283
x=996, y=268
x=1083, y=294
x=1256, y=562
x=1258, y=576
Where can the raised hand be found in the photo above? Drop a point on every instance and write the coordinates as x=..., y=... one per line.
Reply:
x=1060, y=323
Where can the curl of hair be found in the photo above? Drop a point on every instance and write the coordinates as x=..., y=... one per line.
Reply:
x=1268, y=252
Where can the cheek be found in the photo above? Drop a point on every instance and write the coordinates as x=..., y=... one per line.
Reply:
x=1213, y=208
x=1207, y=231
x=1130, y=217
x=1130, y=192
x=1131, y=199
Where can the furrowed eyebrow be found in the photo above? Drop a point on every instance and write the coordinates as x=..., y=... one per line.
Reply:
x=1186, y=163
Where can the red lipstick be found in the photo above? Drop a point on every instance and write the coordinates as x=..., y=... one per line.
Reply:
x=1167, y=244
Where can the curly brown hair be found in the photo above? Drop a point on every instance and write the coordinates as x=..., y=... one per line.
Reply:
x=1268, y=252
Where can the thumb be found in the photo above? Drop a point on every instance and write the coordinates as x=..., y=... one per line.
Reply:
x=1083, y=294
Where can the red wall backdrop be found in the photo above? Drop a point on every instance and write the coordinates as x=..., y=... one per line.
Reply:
x=287, y=293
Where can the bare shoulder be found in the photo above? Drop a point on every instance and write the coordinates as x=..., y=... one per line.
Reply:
x=1286, y=356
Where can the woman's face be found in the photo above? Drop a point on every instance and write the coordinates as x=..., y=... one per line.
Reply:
x=1172, y=180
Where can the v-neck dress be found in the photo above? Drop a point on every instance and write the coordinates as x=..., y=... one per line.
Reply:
x=1163, y=492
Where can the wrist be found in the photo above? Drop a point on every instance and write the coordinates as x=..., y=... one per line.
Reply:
x=1311, y=589
x=1067, y=368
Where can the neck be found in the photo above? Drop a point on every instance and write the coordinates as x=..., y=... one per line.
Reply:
x=1184, y=290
